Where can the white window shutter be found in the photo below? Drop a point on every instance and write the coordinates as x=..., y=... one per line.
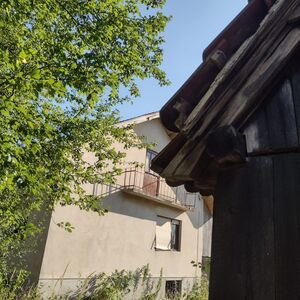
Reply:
x=163, y=234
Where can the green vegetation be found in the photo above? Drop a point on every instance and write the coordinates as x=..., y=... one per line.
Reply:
x=111, y=287
x=100, y=286
x=62, y=64
x=199, y=290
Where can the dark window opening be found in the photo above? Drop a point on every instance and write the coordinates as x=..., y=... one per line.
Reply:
x=151, y=179
x=175, y=235
x=149, y=157
x=173, y=288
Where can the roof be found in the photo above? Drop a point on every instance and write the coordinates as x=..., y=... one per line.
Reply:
x=214, y=58
x=228, y=87
x=145, y=118
x=141, y=118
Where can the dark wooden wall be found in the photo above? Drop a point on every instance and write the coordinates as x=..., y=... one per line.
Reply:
x=256, y=231
x=275, y=127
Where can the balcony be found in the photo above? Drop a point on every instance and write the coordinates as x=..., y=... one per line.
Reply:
x=149, y=185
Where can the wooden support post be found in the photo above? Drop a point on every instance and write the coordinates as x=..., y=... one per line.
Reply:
x=256, y=231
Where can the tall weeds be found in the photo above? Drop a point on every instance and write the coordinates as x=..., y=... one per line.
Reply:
x=139, y=284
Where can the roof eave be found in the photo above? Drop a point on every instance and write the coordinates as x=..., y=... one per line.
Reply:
x=214, y=58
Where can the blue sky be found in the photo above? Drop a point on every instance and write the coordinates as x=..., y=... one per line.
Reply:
x=194, y=25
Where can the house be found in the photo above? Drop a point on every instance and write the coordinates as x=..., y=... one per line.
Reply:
x=148, y=223
x=236, y=121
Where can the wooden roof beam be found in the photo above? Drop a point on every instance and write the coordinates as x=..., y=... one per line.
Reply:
x=239, y=89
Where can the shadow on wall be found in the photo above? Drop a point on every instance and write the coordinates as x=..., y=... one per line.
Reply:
x=137, y=207
x=33, y=260
x=119, y=203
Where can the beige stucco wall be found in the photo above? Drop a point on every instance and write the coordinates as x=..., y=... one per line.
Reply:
x=153, y=132
x=124, y=238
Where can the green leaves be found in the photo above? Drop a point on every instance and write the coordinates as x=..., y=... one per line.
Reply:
x=196, y=264
x=62, y=64
x=66, y=226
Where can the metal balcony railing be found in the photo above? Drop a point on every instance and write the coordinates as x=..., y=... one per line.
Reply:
x=148, y=184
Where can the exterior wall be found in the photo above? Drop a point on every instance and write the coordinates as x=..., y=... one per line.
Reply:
x=125, y=237
x=122, y=239
x=153, y=132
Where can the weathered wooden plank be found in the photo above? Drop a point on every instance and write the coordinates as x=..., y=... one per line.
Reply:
x=248, y=98
x=226, y=146
x=295, y=17
x=259, y=83
x=189, y=90
x=250, y=55
x=295, y=79
x=190, y=153
x=161, y=161
x=205, y=183
x=257, y=133
x=219, y=58
x=287, y=225
x=281, y=118
x=234, y=115
x=243, y=235
x=183, y=108
x=274, y=128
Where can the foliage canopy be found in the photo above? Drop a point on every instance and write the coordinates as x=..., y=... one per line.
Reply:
x=62, y=64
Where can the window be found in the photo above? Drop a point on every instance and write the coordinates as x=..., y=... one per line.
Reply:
x=151, y=179
x=149, y=156
x=167, y=234
x=173, y=289
x=175, y=234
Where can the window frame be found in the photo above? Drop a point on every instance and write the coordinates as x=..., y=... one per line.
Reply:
x=177, y=288
x=179, y=233
x=148, y=161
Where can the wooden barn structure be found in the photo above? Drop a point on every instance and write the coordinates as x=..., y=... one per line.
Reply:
x=237, y=120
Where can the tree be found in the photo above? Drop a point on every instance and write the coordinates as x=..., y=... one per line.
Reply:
x=62, y=64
